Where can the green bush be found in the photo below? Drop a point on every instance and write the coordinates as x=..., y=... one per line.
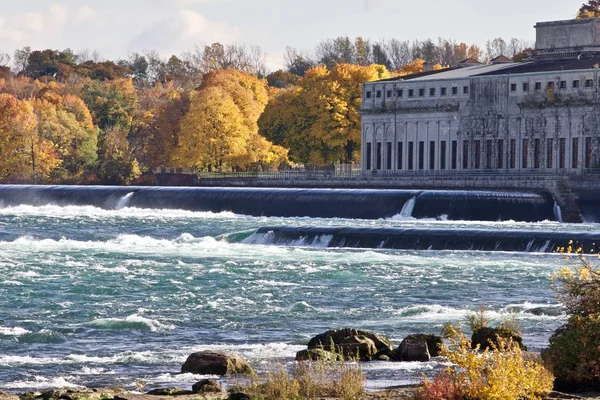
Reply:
x=574, y=353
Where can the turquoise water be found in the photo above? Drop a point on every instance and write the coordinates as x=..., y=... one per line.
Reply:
x=99, y=297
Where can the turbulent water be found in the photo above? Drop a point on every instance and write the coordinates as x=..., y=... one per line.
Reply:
x=98, y=297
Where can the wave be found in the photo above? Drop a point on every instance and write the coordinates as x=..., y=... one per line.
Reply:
x=41, y=382
x=44, y=336
x=16, y=331
x=132, y=322
x=92, y=212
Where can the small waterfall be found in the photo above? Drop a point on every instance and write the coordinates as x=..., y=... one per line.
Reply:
x=407, y=209
x=558, y=212
x=124, y=201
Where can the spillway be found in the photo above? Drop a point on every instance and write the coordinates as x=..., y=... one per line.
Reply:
x=424, y=239
x=316, y=203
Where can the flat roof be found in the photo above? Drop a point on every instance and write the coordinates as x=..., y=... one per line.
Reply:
x=501, y=69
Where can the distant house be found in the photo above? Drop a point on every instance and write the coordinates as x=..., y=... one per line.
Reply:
x=542, y=114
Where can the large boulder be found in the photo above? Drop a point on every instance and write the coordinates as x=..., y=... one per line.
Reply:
x=352, y=344
x=414, y=348
x=317, y=355
x=215, y=363
x=487, y=338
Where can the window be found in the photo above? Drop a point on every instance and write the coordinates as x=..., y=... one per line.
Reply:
x=465, y=154
x=549, y=153
x=369, y=155
x=588, y=152
x=389, y=93
x=411, y=155
x=538, y=86
x=443, y=154
x=524, y=154
x=575, y=153
x=454, y=154
x=513, y=87
x=432, y=92
x=421, y=155
x=368, y=95
x=399, y=156
x=477, y=154
x=589, y=83
x=500, y=160
x=562, y=151
x=389, y=156
x=443, y=91
x=575, y=84
x=421, y=92
x=432, y=155
x=563, y=84
x=454, y=91
x=513, y=153
x=411, y=93
x=550, y=86
x=465, y=89
x=379, y=94
x=379, y=156
x=400, y=92
x=526, y=86
x=489, y=151
x=536, y=153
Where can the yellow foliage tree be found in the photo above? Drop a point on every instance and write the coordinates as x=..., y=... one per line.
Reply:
x=213, y=133
x=220, y=131
x=413, y=68
x=26, y=154
x=319, y=121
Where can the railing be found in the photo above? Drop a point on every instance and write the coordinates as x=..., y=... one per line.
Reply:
x=355, y=173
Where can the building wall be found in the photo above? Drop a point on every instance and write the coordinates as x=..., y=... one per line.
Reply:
x=567, y=34
x=512, y=122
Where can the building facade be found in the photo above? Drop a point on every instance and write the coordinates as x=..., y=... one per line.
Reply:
x=542, y=114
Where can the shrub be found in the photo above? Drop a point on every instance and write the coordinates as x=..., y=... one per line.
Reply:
x=308, y=380
x=502, y=373
x=573, y=354
x=444, y=386
x=478, y=319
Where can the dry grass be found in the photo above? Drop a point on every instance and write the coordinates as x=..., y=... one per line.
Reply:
x=308, y=381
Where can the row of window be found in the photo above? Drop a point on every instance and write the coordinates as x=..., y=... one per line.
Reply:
x=475, y=162
x=411, y=93
x=454, y=90
x=575, y=84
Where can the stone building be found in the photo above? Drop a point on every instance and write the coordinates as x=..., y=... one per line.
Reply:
x=542, y=114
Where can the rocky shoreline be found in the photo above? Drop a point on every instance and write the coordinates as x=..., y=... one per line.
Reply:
x=333, y=346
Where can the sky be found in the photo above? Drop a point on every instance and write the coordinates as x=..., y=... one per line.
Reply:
x=118, y=27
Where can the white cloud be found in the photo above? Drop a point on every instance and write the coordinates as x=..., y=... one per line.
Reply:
x=182, y=31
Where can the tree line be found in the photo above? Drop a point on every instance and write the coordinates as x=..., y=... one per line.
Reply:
x=75, y=117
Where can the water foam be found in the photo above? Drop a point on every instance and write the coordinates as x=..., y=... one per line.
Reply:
x=131, y=322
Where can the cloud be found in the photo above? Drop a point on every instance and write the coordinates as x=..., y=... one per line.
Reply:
x=182, y=31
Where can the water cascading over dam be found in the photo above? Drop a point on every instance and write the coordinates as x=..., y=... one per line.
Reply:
x=316, y=203
x=424, y=239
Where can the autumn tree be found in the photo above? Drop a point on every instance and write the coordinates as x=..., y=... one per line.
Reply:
x=26, y=155
x=157, y=123
x=220, y=132
x=319, y=121
x=591, y=9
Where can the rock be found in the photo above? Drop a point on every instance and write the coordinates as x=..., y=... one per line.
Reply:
x=207, y=386
x=485, y=337
x=317, y=355
x=434, y=343
x=239, y=396
x=351, y=343
x=169, y=391
x=215, y=363
x=65, y=394
x=383, y=357
x=412, y=349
